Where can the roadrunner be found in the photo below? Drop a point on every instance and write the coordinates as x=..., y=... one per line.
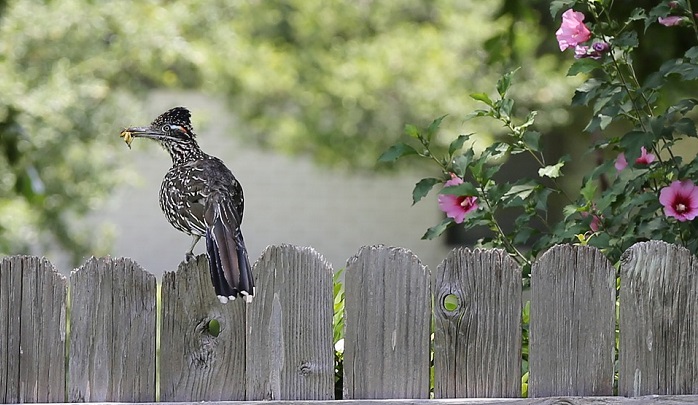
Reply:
x=201, y=197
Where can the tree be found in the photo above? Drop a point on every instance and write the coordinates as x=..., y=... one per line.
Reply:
x=336, y=81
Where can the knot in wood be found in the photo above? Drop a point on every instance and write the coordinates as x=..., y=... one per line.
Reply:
x=305, y=368
x=451, y=302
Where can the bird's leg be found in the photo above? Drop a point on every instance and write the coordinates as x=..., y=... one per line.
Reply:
x=189, y=256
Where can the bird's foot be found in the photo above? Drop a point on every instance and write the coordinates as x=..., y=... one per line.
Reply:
x=189, y=257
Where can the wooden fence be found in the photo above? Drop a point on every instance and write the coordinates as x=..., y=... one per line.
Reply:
x=109, y=325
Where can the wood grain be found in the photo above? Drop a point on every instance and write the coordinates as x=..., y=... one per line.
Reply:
x=195, y=363
x=112, y=332
x=645, y=400
x=477, y=345
x=387, y=325
x=572, y=321
x=32, y=331
x=659, y=320
x=290, y=353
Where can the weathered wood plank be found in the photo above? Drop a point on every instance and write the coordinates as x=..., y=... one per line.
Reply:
x=477, y=345
x=112, y=332
x=646, y=400
x=32, y=331
x=289, y=351
x=658, y=351
x=387, y=325
x=196, y=362
x=572, y=324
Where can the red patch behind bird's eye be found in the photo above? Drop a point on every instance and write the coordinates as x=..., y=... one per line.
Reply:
x=180, y=129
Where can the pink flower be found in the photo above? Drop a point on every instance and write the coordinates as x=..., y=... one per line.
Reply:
x=595, y=51
x=456, y=207
x=572, y=30
x=621, y=163
x=645, y=158
x=680, y=200
x=670, y=21
x=601, y=47
x=581, y=51
x=595, y=223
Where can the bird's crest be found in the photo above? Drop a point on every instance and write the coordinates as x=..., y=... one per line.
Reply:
x=175, y=116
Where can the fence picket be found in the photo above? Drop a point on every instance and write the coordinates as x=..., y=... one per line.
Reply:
x=32, y=331
x=477, y=345
x=112, y=332
x=387, y=325
x=658, y=320
x=280, y=346
x=289, y=352
x=200, y=360
x=572, y=323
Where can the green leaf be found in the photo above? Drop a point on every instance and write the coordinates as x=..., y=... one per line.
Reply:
x=482, y=97
x=553, y=171
x=437, y=230
x=522, y=191
x=632, y=141
x=628, y=39
x=506, y=106
x=584, y=65
x=686, y=126
x=569, y=210
x=504, y=83
x=465, y=189
x=692, y=54
x=434, y=127
x=683, y=106
x=397, y=151
x=530, y=119
x=532, y=140
x=461, y=162
x=589, y=190
x=599, y=121
x=638, y=14
x=557, y=5
x=687, y=71
x=412, y=131
x=422, y=188
x=587, y=91
x=458, y=143
x=478, y=113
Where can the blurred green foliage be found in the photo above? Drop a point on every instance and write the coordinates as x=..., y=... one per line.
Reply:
x=335, y=81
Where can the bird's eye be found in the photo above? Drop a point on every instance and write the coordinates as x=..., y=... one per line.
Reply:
x=166, y=128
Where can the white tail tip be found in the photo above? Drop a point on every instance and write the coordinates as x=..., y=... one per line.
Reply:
x=248, y=297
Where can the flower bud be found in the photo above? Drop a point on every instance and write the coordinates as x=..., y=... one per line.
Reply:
x=601, y=47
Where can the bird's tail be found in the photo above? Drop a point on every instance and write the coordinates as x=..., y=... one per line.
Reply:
x=229, y=265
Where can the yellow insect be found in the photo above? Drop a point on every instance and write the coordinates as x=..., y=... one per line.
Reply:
x=128, y=137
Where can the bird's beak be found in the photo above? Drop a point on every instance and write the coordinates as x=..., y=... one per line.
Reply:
x=144, y=132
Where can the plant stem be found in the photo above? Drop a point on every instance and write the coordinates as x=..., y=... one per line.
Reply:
x=692, y=18
x=519, y=257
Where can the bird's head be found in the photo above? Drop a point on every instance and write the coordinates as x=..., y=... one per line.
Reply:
x=172, y=129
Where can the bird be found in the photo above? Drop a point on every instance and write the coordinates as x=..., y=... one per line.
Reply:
x=201, y=197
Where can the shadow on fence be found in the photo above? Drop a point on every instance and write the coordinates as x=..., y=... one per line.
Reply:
x=280, y=346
